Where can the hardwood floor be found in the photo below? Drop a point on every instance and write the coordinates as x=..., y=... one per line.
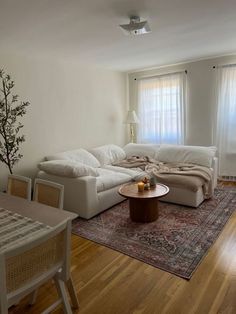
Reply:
x=110, y=282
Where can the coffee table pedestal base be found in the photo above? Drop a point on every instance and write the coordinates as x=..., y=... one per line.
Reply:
x=143, y=210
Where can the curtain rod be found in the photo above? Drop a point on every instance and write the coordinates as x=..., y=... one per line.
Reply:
x=224, y=66
x=157, y=75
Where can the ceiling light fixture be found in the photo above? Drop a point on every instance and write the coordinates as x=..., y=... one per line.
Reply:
x=135, y=27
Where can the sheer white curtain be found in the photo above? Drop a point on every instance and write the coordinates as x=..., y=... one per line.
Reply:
x=161, y=109
x=226, y=120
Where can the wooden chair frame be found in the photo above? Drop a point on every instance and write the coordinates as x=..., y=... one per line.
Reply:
x=60, y=187
x=28, y=181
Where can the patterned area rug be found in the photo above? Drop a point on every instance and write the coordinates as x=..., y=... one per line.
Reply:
x=176, y=242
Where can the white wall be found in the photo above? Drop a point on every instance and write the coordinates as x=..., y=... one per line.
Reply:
x=201, y=96
x=72, y=106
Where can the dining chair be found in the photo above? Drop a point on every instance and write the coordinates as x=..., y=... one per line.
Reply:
x=26, y=267
x=19, y=186
x=48, y=193
x=52, y=194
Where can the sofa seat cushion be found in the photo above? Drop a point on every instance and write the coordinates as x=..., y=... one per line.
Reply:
x=184, y=182
x=77, y=155
x=108, y=179
x=108, y=154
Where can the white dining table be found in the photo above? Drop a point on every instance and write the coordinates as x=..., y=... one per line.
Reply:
x=36, y=211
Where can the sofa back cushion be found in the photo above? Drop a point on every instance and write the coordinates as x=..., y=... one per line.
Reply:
x=67, y=168
x=78, y=155
x=108, y=154
x=199, y=155
x=150, y=150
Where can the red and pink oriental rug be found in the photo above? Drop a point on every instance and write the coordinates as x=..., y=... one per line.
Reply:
x=176, y=242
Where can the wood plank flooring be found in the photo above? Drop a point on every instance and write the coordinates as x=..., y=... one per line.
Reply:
x=110, y=282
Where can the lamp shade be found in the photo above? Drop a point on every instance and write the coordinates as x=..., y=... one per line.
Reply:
x=131, y=117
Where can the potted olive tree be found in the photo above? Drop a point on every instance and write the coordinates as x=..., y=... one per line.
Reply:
x=11, y=109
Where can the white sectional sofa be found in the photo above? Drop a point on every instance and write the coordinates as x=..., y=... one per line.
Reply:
x=91, y=182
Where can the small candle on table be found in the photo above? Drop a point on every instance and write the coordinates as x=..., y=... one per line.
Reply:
x=140, y=186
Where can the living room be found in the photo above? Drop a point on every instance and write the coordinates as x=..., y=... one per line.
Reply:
x=80, y=74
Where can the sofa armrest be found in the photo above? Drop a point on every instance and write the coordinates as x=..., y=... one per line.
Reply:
x=80, y=194
x=86, y=195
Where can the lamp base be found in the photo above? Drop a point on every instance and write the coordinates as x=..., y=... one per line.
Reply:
x=131, y=133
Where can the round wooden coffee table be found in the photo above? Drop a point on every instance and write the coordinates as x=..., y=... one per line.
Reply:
x=143, y=206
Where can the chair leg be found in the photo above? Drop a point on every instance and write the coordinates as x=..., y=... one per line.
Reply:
x=33, y=297
x=60, y=285
x=3, y=306
x=72, y=293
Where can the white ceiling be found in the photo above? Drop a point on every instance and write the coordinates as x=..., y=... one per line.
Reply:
x=87, y=30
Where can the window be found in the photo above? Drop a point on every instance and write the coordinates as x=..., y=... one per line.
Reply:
x=161, y=104
x=226, y=120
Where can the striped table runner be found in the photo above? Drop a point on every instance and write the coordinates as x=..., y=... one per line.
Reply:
x=16, y=229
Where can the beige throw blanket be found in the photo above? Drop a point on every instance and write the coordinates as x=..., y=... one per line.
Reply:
x=188, y=176
x=136, y=162
x=182, y=175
